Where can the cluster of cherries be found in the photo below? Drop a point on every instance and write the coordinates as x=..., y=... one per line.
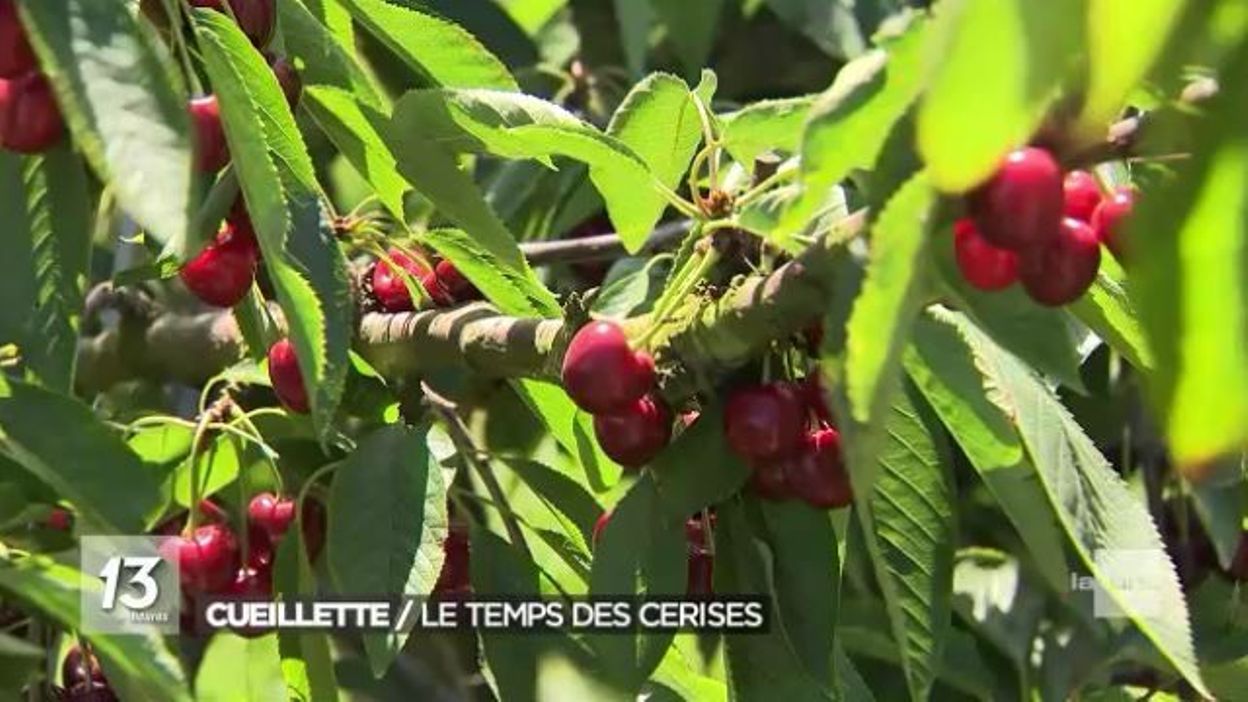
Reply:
x=701, y=566
x=30, y=120
x=209, y=557
x=82, y=678
x=784, y=432
x=442, y=282
x=605, y=377
x=1029, y=224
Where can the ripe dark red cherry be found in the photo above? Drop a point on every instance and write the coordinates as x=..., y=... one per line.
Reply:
x=59, y=519
x=983, y=265
x=1020, y=207
x=601, y=373
x=30, y=120
x=251, y=583
x=271, y=513
x=207, y=557
x=212, y=151
x=1061, y=272
x=1110, y=220
x=453, y=282
x=769, y=479
x=599, y=525
x=81, y=667
x=286, y=379
x=633, y=436
x=818, y=474
x=764, y=422
x=222, y=274
x=256, y=18
x=434, y=289
x=16, y=56
x=455, y=578
x=1082, y=195
x=388, y=284
x=288, y=79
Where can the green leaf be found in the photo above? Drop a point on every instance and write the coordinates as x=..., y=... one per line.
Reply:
x=634, y=18
x=691, y=29
x=765, y=125
x=444, y=53
x=514, y=290
x=139, y=667
x=942, y=368
x=301, y=253
x=307, y=663
x=806, y=575
x=352, y=127
x=759, y=666
x=659, y=121
x=632, y=287
x=890, y=297
x=1190, y=278
x=19, y=661
x=1000, y=65
x=324, y=58
x=907, y=517
x=124, y=104
x=1125, y=38
x=850, y=122
x=1100, y=514
x=640, y=551
x=389, y=507
x=1109, y=311
x=46, y=249
x=219, y=465
x=573, y=429
x=697, y=470
x=237, y=668
x=499, y=568
x=829, y=23
x=516, y=126
x=90, y=465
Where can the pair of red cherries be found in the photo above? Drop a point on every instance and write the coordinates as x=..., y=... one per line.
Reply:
x=442, y=282
x=30, y=120
x=1029, y=224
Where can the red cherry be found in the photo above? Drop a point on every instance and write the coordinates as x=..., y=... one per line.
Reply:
x=388, y=285
x=286, y=379
x=1110, y=220
x=983, y=265
x=701, y=566
x=455, y=577
x=16, y=56
x=251, y=583
x=601, y=373
x=59, y=519
x=599, y=525
x=289, y=80
x=460, y=288
x=435, y=290
x=633, y=436
x=222, y=274
x=81, y=667
x=764, y=421
x=271, y=513
x=256, y=18
x=818, y=474
x=769, y=479
x=1082, y=195
x=695, y=531
x=207, y=557
x=811, y=392
x=1061, y=272
x=1021, y=206
x=212, y=151
x=30, y=120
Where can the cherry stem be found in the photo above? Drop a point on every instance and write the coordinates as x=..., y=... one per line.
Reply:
x=201, y=429
x=692, y=273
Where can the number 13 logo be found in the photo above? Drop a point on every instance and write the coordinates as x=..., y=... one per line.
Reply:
x=142, y=579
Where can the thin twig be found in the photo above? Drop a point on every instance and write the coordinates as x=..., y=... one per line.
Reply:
x=468, y=449
x=601, y=247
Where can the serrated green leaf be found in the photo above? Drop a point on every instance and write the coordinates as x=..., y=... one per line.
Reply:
x=998, y=67
x=517, y=126
x=444, y=53
x=691, y=29
x=1098, y=511
x=353, y=128
x=890, y=297
x=323, y=56
x=389, y=505
x=124, y=104
x=514, y=290
x=831, y=24
x=942, y=368
x=19, y=660
x=765, y=125
x=138, y=667
x=90, y=466
x=499, y=568
x=659, y=121
x=1125, y=38
x=1190, y=278
x=279, y=185
x=46, y=249
x=850, y=122
x=697, y=470
x=1109, y=311
x=237, y=668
